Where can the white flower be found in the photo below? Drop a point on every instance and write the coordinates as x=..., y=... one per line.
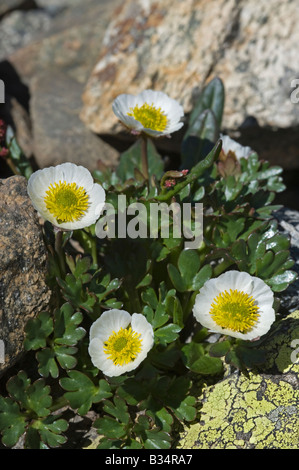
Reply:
x=66, y=195
x=119, y=342
x=152, y=112
x=231, y=146
x=235, y=304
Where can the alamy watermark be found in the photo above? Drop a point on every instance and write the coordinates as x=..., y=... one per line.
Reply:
x=2, y=91
x=152, y=220
x=295, y=94
x=2, y=352
x=295, y=353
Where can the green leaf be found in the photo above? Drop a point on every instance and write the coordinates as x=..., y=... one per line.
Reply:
x=38, y=398
x=82, y=392
x=203, y=275
x=195, y=359
x=191, y=352
x=110, y=444
x=219, y=349
x=174, y=307
x=212, y=97
x=156, y=439
x=19, y=159
x=133, y=391
x=82, y=265
x=178, y=399
x=32, y=439
x=280, y=282
x=176, y=278
x=264, y=265
x=186, y=410
x=37, y=331
x=188, y=264
x=207, y=365
x=145, y=281
x=149, y=297
x=232, y=188
x=199, y=139
x=74, y=292
x=47, y=363
x=64, y=356
x=50, y=429
x=119, y=409
x=35, y=397
x=110, y=428
x=167, y=334
x=66, y=323
x=233, y=358
x=164, y=419
x=160, y=317
x=149, y=313
x=12, y=421
x=273, y=264
x=166, y=359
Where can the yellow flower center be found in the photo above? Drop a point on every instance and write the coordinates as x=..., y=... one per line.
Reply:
x=66, y=202
x=123, y=347
x=150, y=117
x=234, y=310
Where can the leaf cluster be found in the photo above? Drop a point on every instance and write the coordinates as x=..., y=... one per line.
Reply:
x=157, y=277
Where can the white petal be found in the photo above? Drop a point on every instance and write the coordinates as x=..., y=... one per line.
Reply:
x=40, y=181
x=170, y=107
x=140, y=324
x=110, y=321
x=123, y=104
x=77, y=174
x=229, y=144
x=240, y=281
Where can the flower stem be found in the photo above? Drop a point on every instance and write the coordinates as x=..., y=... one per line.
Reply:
x=11, y=165
x=144, y=156
x=59, y=250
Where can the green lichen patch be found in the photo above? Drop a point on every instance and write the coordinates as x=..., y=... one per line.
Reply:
x=282, y=346
x=258, y=410
x=245, y=413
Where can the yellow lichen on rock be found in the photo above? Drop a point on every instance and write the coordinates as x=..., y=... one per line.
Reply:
x=254, y=411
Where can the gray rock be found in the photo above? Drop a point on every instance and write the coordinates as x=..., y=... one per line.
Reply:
x=252, y=46
x=23, y=267
x=6, y=6
x=20, y=28
x=55, y=69
x=58, y=133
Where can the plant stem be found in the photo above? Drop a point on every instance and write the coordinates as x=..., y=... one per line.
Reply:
x=59, y=250
x=144, y=156
x=194, y=174
x=11, y=165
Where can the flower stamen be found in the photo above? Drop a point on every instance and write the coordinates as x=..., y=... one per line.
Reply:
x=66, y=201
x=150, y=117
x=235, y=310
x=123, y=347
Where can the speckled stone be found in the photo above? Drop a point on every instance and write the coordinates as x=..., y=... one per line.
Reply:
x=258, y=411
x=23, y=267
